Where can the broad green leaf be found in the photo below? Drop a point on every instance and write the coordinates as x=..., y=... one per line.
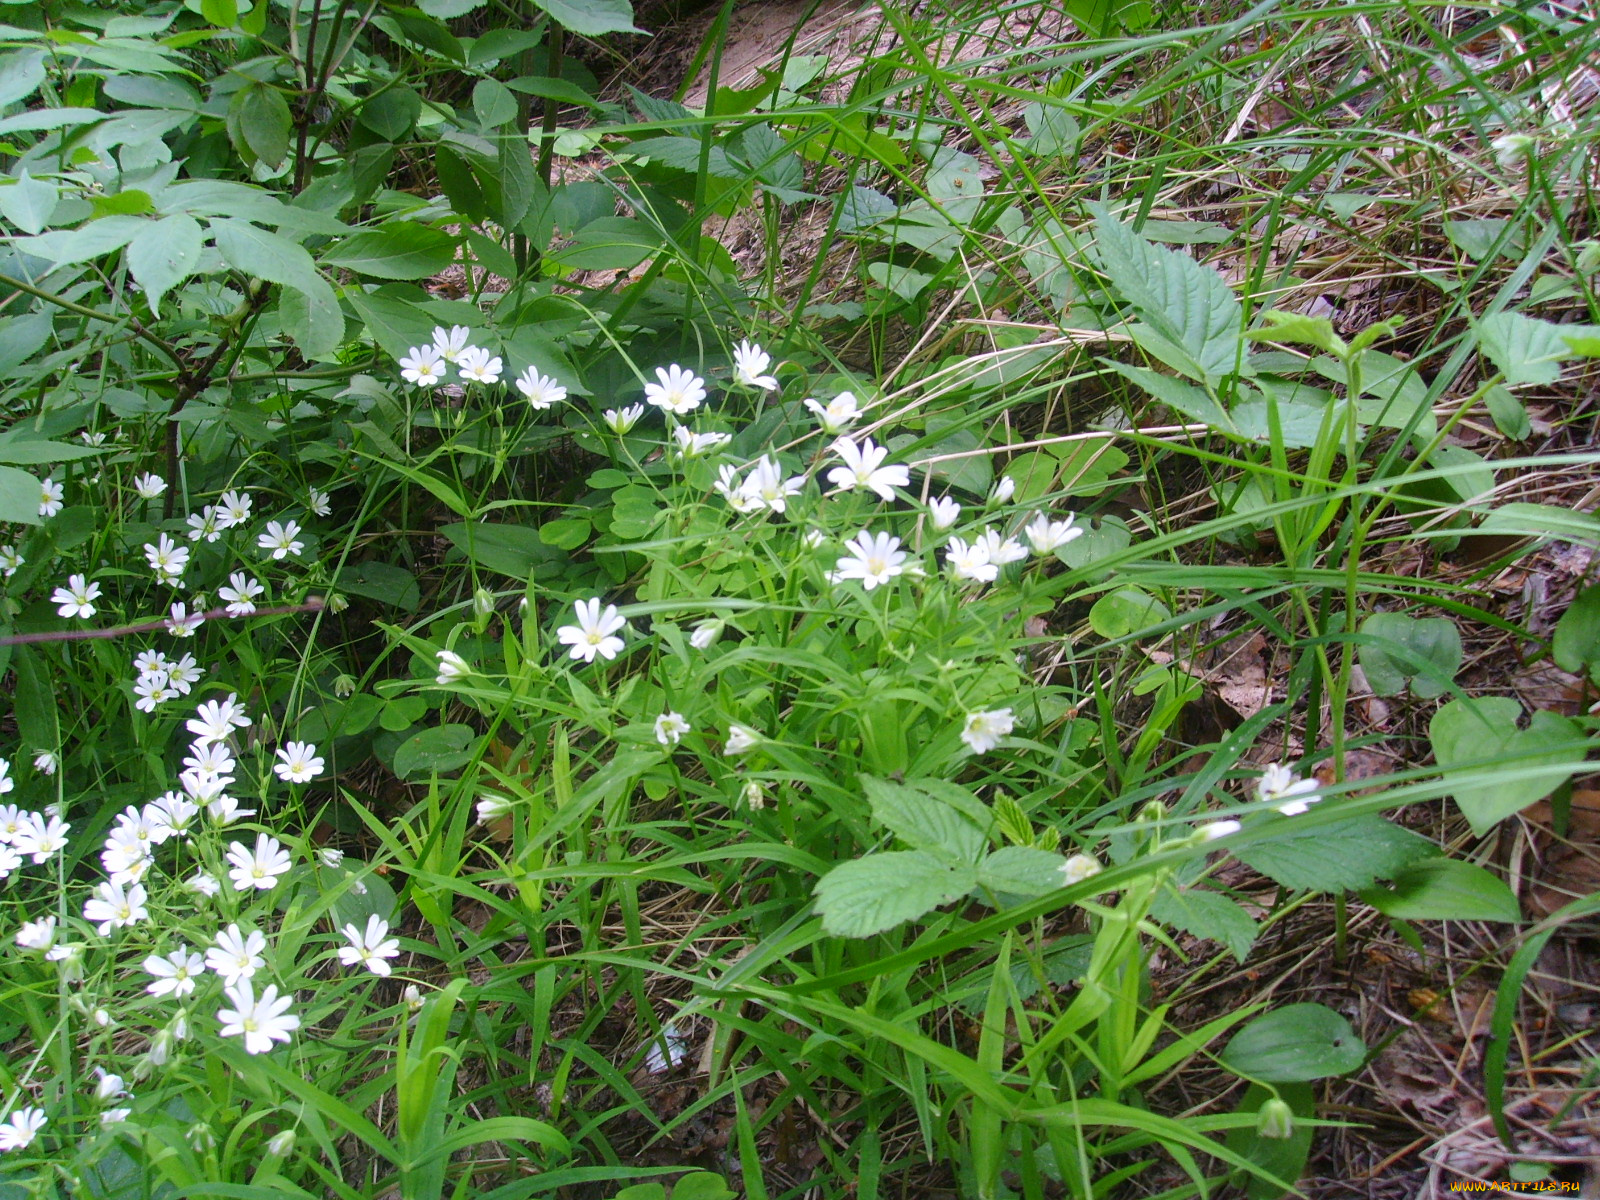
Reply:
x=1545, y=521
x=566, y=533
x=1478, y=238
x=310, y=314
x=1478, y=736
x=1510, y=415
x=392, y=112
x=922, y=821
x=91, y=240
x=25, y=451
x=872, y=894
x=1336, y=857
x=1186, y=399
x=1102, y=537
x=1576, y=643
x=1126, y=611
x=1022, y=871
x=223, y=13
x=609, y=244
x=19, y=497
x=1298, y=329
x=1524, y=349
x=21, y=72
x=683, y=154
x=399, y=250
x=435, y=751
x=1203, y=913
x=1444, y=889
x=163, y=254
x=1422, y=651
x=29, y=203
x=861, y=208
x=493, y=104
x=1053, y=130
x=590, y=18
x=955, y=182
x=381, y=581
x=396, y=322
x=1295, y=1044
x=254, y=251
x=259, y=118
x=1282, y=1157
x=512, y=550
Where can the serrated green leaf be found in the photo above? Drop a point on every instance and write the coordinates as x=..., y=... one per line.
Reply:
x=493, y=104
x=29, y=203
x=259, y=118
x=1524, y=349
x=311, y=316
x=1186, y=399
x=392, y=112
x=590, y=18
x=1203, y=913
x=254, y=251
x=164, y=254
x=1337, y=857
x=91, y=240
x=921, y=820
x=1021, y=871
x=1444, y=889
x=1298, y=329
x=1469, y=735
x=1295, y=1044
x=872, y=894
x=1424, y=651
x=398, y=250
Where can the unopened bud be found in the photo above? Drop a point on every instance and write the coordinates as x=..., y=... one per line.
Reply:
x=1275, y=1120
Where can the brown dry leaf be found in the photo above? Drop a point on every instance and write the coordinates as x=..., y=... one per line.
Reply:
x=1568, y=868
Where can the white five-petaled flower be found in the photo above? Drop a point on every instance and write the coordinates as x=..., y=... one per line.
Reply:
x=595, y=633
x=281, y=539
x=50, y=496
x=450, y=344
x=1001, y=550
x=259, y=1021
x=234, y=509
x=317, y=502
x=167, y=559
x=1045, y=535
x=113, y=907
x=184, y=672
x=622, y=420
x=215, y=720
x=152, y=688
x=6, y=784
x=298, y=763
x=983, y=730
x=149, y=485
x=863, y=467
x=478, y=366
x=181, y=622
x=77, y=598
x=740, y=739
x=492, y=808
x=240, y=594
x=969, y=561
x=670, y=728
x=874, y=558
x=764, y=488
x=1078, y=868
x=260, y=867
x=41, y=836
x=237, y=955
x=370, y=947
x=424, y=366
x=203, y=884
x=750, y=363
x=1292, y=795
x=203, y=524
x=37, y=935
x=19, y=1129
x=174, y=973
x=693, y=445
x=10, y=560
x=944, y=512
x=540, y=391
x=679, y=391
x=837, y=414
x=451, y=667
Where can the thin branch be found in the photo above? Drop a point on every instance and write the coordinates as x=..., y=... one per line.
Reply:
x=314, y=604
x=93, y=314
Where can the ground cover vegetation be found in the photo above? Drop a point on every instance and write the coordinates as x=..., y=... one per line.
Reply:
x=824, y=629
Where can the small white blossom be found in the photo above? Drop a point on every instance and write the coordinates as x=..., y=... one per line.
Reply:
x=203, y=884
x=595, y=633
x=298, y=763
x=1078, y=868
x=260, y=867
x=114, y=907
x=281, y=539
x=983, y=730
x=167, y=559
x=19, y=1129
x=45, y=762
x=50, y=497
x=318, y=502
x=754, y=796
x=706, y=633
x=174, y=973
x=233, y=509
x=1001, y=550
x=694, y=445
x=151, y=689
x=149, y=485
x=873, y=559
x=451, y=668
x=969, y=562
x=670, y=728
x=240, y=593
x=330, y=857
x=37, y=935
x=423, y=366
x=1004, y=488
x=450, y=344
x=215, y=720
x=944, y=512
x=259, y=1021
x=1291, y=795
x=43, y=837
x=479, y=366
x=204, y=524
x=1045, y=535
x=370, y=947
x=1212, y=830
x=622, y=420
x=10, y=560
x=77, y=598
x=837, y=414
x=740, y=739
x=679, y=391
x=237, y=955
x=492, y=808
x=750, y=363
x=863, y=467
x=181, y=622
x=540, y=391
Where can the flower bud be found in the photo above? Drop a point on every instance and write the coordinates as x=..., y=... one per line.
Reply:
x=412, y=997
x=482, y=602
x=330, y=857
x=1275, y=1120
x=1078, y=868
x=344, y=686
x=754, y=796
x=337, y=603
x=706, y=633
x=492, y=808
x=281, y=1143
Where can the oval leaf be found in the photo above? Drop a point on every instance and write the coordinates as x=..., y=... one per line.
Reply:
x=1295, y=1044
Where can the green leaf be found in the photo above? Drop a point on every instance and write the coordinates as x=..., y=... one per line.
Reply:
x=1126, y=611
x=1425, y=651
x=163, y=254
x=1203, y=913
x=21, y=72
x=222, y=13
x=1298, y=329
x=254, y=251
x=566, y=533
x=310, y=314
x=1053, y=130
x=861, y=208
x=19, y=497
x=1283, y=1158
x=381, y=581
x=1510, y=415
x=1481, y=730
x=1543, y=521
x=1523, y=349
x=1576, y=643
x=259, y=121
x=872, y=894
x=1102, y=537
x=1335, y=857
x=922, y=821
x=493, y=104
x=399, y=250
x=29, y=203
x=1185, y=399
x=683, y=154
x=392, y=112
x=1295, y=1044
x=1444, y=889
x=435, y=751
x=512, y=550
x=1584, y=340
x=1022, y=871
x=91, y=240
x=16, y=447
x=590, y=18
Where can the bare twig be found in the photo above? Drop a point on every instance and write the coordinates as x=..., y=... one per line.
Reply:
x=314, y=604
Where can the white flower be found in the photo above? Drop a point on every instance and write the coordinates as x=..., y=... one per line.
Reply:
x=233, y=509
x=873, y=559
x=280, y=539
x=153, y=688
x=12, y=818
x=184, y=672
x=109, y=1087
x=37, y=935
x=77, y=598
x=983, y=730
x=492, y=808
x=1045, y=535
x=1004, y=488
x=114, y=907
x=50, y=495
x=693, y=445
x=10, y=860
x=969, y=562
x=167, y=559
x=260, y=1022
x=330, y=857
x=6, y=782
x=171, y=814
x=181, y=622
x=622, y=420
x=449, y=344
x=215, y=720
x=750, y=363
x=258, y=868
x=731, y=488
x=114, y=1116
x=837, y=414
x=451, y=668
x=706, y=633
x=1212, y=830
x=95, y=438
x=174, y=973
x=149, y=485
x=1078, y=868
x=670, y=728
x=1511, y=150
x=41, y=837
x=203, y=884
x=299, y=763
x=45, y=762
x=240, y=593
x=70, y=957
x=478, y=366
x=203, y=524
x=1001, y=550
x=812, y=539
x=863, y=467
x=754, y=796
x=1280, y=786
x=944, y=512
x=678, y=392
x=540, y=391
x=10, y=560
x=412, y=997
x=595, y=633
x=20, y=1128
x=317, y=502
x=424, y=366
x=766, y=488
x=237, y=956
x=740, y=738
x=368, y=947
